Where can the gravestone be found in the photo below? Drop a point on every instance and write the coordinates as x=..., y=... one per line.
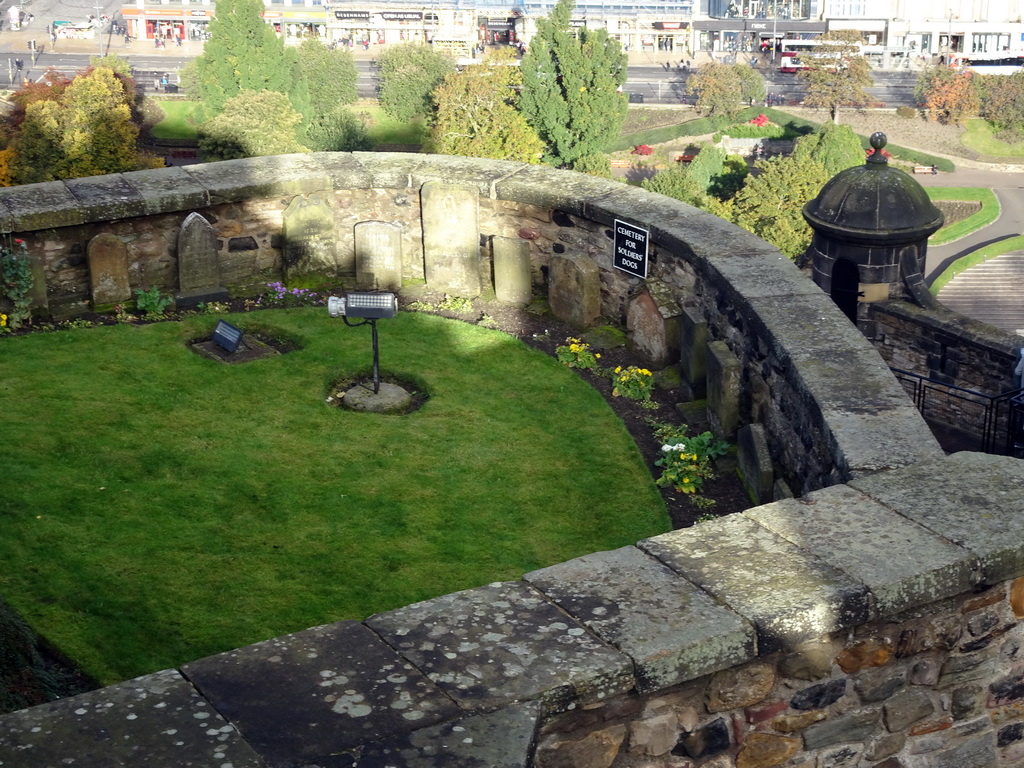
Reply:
x=574, y=289
x=38, y=298
x=451, y=239
x=512, y=284
x=724, y=382
x=755, y=463
x=310, y=238
x=378, y=256
x=108, y=270
x=693, y=348
x=198, y=264
x=652, y=320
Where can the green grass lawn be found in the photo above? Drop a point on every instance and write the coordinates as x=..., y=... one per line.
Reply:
x=386, y=130
x=980, y=136
x=177, y=122
x=988, y=213
x=158, y=506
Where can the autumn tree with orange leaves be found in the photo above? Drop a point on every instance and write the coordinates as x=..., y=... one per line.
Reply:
x=950, y=96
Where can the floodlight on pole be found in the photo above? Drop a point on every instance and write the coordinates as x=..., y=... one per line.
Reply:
x=370, y=307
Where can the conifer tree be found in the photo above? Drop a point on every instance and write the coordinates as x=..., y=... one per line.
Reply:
x=571, y=87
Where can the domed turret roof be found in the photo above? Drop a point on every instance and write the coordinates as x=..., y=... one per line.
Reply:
x=873, y=202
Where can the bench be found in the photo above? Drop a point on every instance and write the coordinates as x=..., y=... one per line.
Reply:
x=685, y=158
x=620, y=163
x=924, y=169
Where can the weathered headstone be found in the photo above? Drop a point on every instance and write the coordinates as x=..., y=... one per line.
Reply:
x=451, y=238
x=723, y=390
x=378, y=256
x=652, y=320
x=198, y=263
x=37, y=294
x=512, y=284
x=310, y=238
x=574, y=289
x=755, y=461
x=107, y=255
x=693, y=348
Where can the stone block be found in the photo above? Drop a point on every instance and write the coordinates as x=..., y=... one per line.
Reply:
x=819, y=696
x=907, y=708
x=952, y=497
x=791, y=597
x=574, y=289
x=48, y=205
x=755, y=462
x=671, y=630
x=763, y=750
x=493, y=645
x=255, y=178
x=513, y=283
x=107, y=197
x=501, y=739
x=652, y=321
x=451, y=238
x=724, y=386
x=740, y=687
x=706, y=741
x=855, y=726
x=903, y=564
x=156, y=720
x=654, y=736
x=693, y=351
x=342, y=685
x=976, y=752
x=168, y=189
x=597, y=749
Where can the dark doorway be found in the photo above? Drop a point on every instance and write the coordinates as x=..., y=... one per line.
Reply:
x=846, y=287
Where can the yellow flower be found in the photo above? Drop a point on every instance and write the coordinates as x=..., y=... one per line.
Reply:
x=598, y=356
x=618, y=368
x=3, y=320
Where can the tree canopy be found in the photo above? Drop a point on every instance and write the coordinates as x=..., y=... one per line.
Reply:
x=570, y=93
x=330, y=76
x=718, y=88
x=837, y=73
x=1003, y=102
x=476, y=115
x=836, y=147
x=252, y=124
x=243, y=54
x=949, y=95
x=408, y=76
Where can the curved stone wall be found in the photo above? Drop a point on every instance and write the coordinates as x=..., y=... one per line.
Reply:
x=875, y=618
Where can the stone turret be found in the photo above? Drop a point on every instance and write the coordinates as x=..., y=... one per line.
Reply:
x=871, y=226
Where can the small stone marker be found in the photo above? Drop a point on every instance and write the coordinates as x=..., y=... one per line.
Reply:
x=574, y=289
x=227, y=337
x=724, y=374
x=378, y=247
x=451, y=238
x=755, y=462
x=693, y=348
x=310, y=238
x=107, y=255
x=512, y=284
x=199, y=277
x=652, y=319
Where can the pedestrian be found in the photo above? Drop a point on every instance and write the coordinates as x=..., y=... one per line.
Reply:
x=53, y=39
x=935, y=171
x=177, y=40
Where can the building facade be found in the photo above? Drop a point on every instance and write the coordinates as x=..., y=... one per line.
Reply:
x=658, y=30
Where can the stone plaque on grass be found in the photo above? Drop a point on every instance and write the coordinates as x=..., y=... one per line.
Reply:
x=310, y=238
x=108, y=270
x=378, y=256
x=451, y=239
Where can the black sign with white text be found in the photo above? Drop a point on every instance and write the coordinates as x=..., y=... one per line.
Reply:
x=630, y=249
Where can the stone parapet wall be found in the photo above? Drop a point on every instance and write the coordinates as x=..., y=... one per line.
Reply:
x=876, y=623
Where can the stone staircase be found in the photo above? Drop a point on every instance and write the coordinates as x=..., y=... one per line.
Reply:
x=992, y=292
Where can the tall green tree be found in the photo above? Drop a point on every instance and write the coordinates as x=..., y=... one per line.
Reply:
x=243, y=54
x=770, y=203
x=837, y=73
x=330, y=76
x=337, y=131
x=408, y=76
x=718, y=89
x=571, y=87
x=1002, y=103
x=252, y=124
x=476, y=116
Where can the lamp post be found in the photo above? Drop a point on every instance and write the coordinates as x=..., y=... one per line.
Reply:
x=370, y=307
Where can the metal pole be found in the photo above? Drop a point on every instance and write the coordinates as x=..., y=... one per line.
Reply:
x=376, y=359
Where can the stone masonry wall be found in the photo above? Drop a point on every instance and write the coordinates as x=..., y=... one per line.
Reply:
x=807, y=375
x=874, y=621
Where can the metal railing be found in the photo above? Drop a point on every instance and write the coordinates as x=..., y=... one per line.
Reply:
x=966, y=420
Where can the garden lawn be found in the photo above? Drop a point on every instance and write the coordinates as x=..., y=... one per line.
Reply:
x=177, y=122
x=980, y=136
x=985, y=215
x=158, y=506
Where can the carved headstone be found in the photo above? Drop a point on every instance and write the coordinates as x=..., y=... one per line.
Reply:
x=451, y=239
x=198, y=263
x=378, y=256
x=512, y=284
x=724, y=380
x=574, y=289
x=108, y=270
x=310, y=238
x=693, y=349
